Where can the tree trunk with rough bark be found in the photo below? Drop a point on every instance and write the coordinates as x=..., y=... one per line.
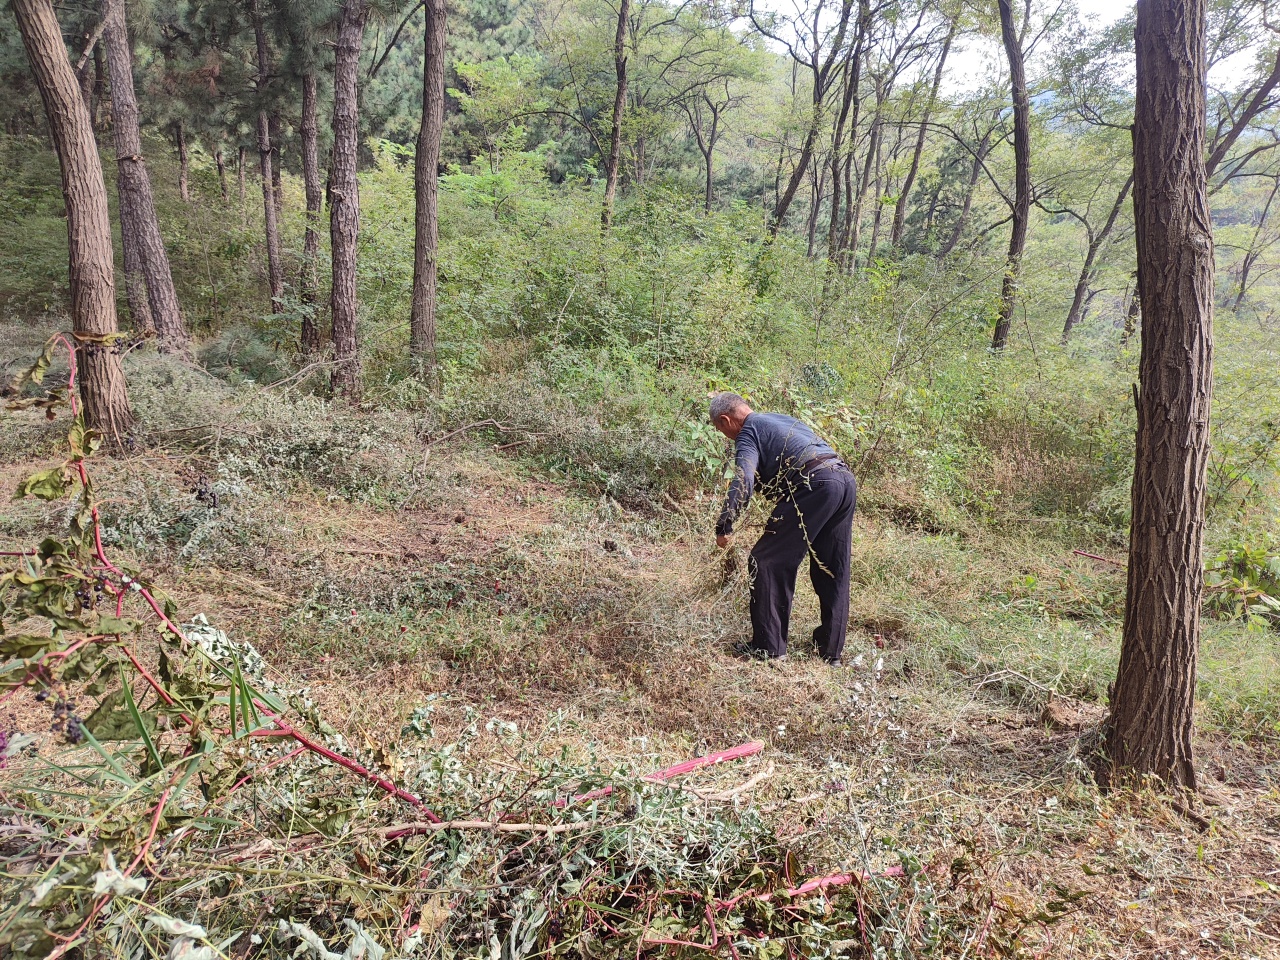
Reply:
x=275, y=267
x=344, y=200
x=1096, y=243
x=140, y=227
x=90, y=258
x=619, y=109
x=309, y=281
x=1022, y=176
x=1149, y=731
x=422, y=341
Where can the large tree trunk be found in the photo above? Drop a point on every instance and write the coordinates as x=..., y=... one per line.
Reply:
x=619, y=109
x=1022, y=176
x=140, y=228
x=309, y=282
x=1150, y=727
x=344, y=200
x=900, y=208
x=90, y=259
x=135, y=281
x=422, y=342
x=275, y=267
x=1096, y=243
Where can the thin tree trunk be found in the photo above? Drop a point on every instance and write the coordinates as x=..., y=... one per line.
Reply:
x=1022, y=176
x=240, y=172
x=90, y=259
x=708, y=157
x=309, y=282
x=1149, y=731
x=975, y=173
x=1096, y=243
x=275, y=267
x=818, y=180
x=180, y=140
x=422, y=343
x=850, y=107
x=277, y=187
x=854, y=216
x=99, y=86
x=1251, y=255
x=619, y=108
x=1132, y=314
x=877, y=196
x=344, y=200
x=222, y=173
x=140, y=228
x=900, y=208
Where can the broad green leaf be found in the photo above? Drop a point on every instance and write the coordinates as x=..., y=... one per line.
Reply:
x=51, y=484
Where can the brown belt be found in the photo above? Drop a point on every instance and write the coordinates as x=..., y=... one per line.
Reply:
x=822, y=460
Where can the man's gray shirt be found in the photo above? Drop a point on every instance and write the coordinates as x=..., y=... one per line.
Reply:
x=770, y=452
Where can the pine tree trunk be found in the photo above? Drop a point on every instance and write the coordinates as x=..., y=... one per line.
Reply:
x=140, y=228
x=90, y=258
x=240, y=172
x=275, y=267
x=135, y=281
x=344, y=200
x=309, y=282
x=222, y=174
x=1149, y=731
x=1096, y=243
x=422, y=340
x=99, y=87
x=619, y=109
x=180, y=139
x=277, y=188
x=1022, y=176
x=900, y=208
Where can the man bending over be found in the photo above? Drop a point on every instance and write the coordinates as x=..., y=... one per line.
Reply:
x=816, y=494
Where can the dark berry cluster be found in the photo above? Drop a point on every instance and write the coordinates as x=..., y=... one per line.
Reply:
x=65, y=720
x=89, y=596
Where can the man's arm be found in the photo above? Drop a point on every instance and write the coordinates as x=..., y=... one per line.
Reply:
x=746, y=460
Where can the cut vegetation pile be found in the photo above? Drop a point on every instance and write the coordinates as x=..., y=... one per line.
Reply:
x=366, y=623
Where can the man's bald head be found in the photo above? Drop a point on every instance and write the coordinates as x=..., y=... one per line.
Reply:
x=728, y=412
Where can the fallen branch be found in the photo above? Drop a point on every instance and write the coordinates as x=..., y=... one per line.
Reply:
x=1094, y=556
x=688, y=766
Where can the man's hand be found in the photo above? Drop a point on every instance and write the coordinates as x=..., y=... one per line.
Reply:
x=722, y=541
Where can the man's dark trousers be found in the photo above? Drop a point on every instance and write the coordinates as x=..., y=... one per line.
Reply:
x=815, y=517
